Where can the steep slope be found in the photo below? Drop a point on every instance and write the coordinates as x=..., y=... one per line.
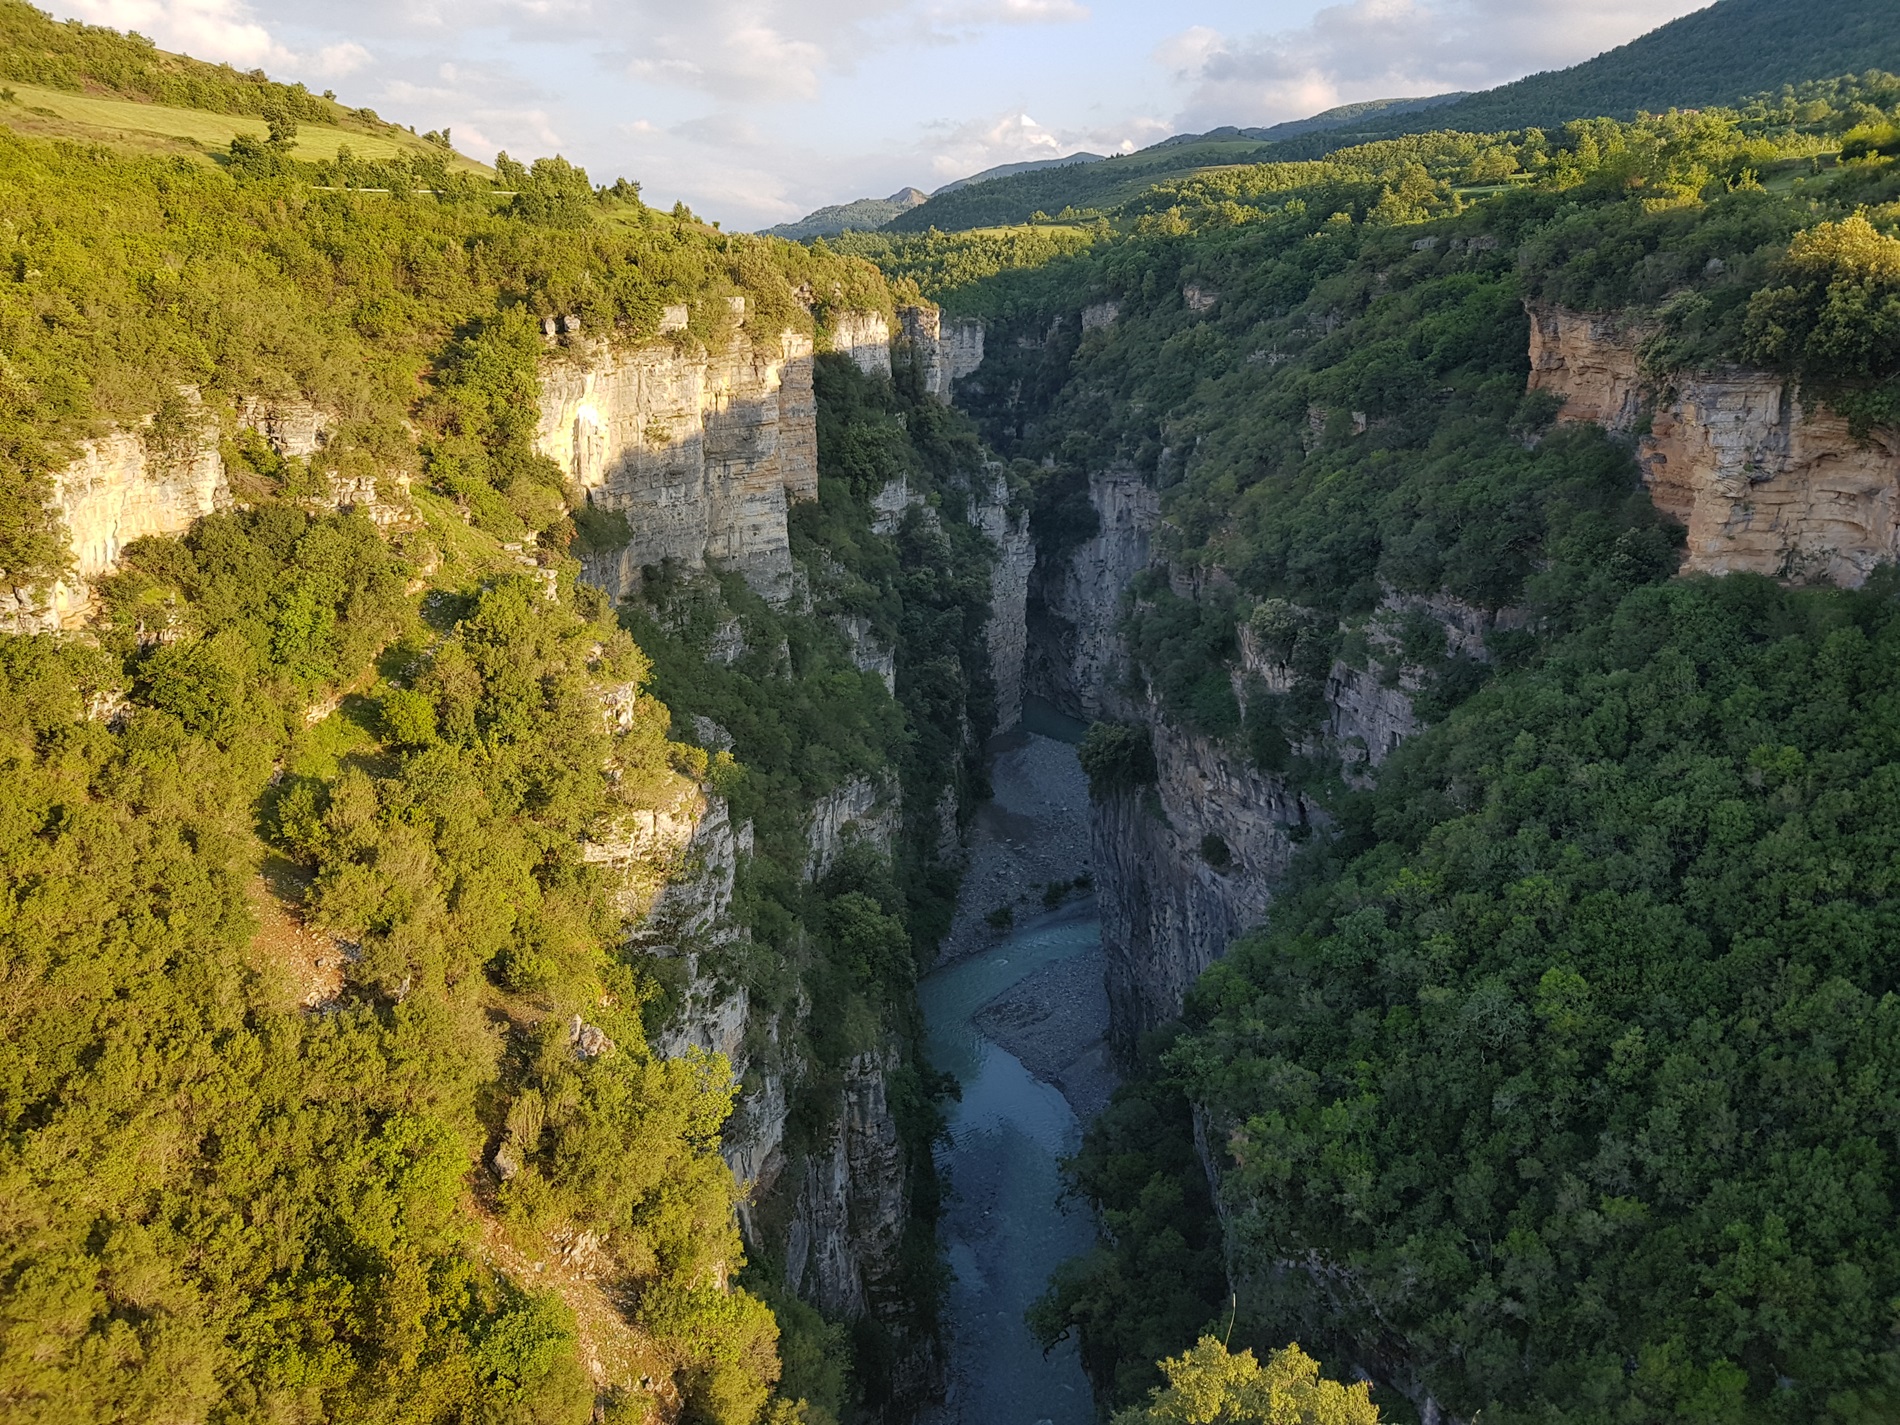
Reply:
x=1440, y=767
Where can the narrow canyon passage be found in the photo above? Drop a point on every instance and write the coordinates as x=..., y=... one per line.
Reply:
x=1036, y=991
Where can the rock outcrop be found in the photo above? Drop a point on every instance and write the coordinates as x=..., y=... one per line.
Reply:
x=860, y=810
x=865, y=337
x=1076, y=657
x=1181, y=868
x=130, y=484
x=1763, y=482
x=702, y=452
x=1007, y=632
x=946, y=349
x=124, y=487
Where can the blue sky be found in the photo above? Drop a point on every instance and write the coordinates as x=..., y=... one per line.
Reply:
x=756, y=111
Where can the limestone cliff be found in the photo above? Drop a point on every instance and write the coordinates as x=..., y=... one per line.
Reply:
x=945, y=349
x=1762, y=481
x=1181, y=868
x=128, y=484
x=702, y=452
x=1076, y=657
x=865, y=337
x=121, y=488
x=1008, y=629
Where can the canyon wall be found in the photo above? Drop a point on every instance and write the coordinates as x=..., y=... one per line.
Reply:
x=1763, y=482
x=834, y=1211
x=1181, y=868
x=129, y=484
x=1076, y=657
x=1007, y=632
x=946, y=349
x=702, y=452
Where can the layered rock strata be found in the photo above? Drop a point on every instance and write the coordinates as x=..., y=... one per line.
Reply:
x=946, y=349
x=1076, y=657
x=702, y=452
x=131, y=484
x=1764, y=482
x=1181, y=868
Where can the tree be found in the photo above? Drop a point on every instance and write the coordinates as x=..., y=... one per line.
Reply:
x=1209, y=1385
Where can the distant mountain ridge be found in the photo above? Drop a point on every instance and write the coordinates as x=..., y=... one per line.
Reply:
x=1719, y=55
x=862, y=215
x=1009, y=170
x=1335, y=118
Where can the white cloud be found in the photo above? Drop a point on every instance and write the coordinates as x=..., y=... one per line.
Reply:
x=221, y=30
x=1375, y=49
x=956, y=150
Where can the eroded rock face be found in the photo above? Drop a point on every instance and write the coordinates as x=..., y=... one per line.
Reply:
x=946, y=349
x=1181, y=869
x=865, y=337
x=849, y=1220
x=120, y=489
x=1763, y=482
x=1076, y=657
x=127, y=485
x=859, y=810
x=701, y=452
x=1008, y=629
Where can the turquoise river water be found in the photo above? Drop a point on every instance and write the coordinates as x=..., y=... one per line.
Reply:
x=1003, y=1226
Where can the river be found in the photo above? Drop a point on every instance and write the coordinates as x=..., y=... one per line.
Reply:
x=1003, y=1228
x=1002, y=1225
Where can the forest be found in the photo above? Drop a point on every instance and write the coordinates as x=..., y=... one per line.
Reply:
x=342, y=1071
x=1551, y=1088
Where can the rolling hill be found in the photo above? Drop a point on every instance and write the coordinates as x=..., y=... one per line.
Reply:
x=88, y=83
x=1733, y=49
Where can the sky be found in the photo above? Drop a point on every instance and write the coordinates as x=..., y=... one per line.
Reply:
x=758, y=111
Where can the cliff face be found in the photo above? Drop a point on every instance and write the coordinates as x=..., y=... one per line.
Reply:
x=1076, y=658
x=1008, y=628
x=120, y=489
x=1763, y=482
x=945, y=348
x=703, y=452
x=1181, y=869
x=865, y=337
x=128, y=484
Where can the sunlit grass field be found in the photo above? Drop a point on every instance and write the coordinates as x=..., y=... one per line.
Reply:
x=159, y=128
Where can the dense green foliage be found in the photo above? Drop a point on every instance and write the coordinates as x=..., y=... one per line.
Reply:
x=1158, y=1277
x=1575, y=1071
x=1555, y=1087
x=1210, y=1385
x=1716, y=56
x=947, y=267
x=36, y=50
x=247, y=1211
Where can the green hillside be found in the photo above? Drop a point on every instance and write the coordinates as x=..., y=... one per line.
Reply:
x=88, y=83
x=1715, y=56
x=1720, y=55
x=1091, y=187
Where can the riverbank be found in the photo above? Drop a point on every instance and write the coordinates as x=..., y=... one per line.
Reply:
x=1034, y=831
x=1056, y=1022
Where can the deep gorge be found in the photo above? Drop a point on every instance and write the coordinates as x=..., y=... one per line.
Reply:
x=613, y=820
